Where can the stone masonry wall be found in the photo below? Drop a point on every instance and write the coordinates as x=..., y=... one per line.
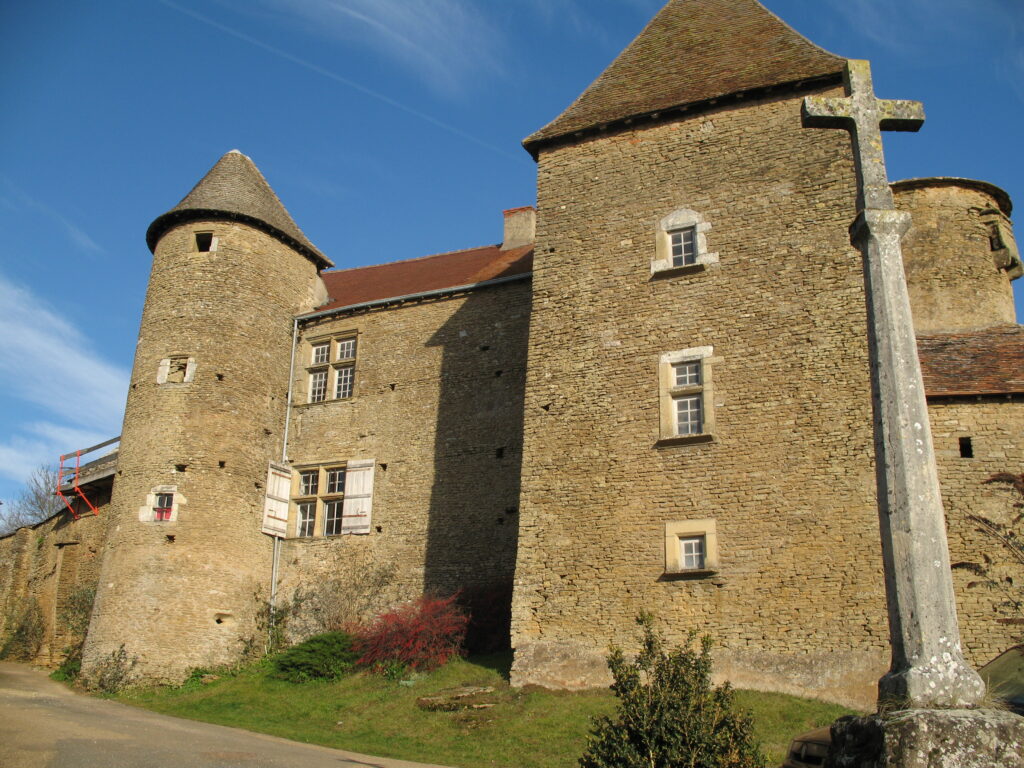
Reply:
x=185, y=593
x=798, y=603
x=437, y=403
x=996, y=428
x=47, y=563
x=952, y=275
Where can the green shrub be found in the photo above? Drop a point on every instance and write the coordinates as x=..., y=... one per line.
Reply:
x=669, y=714
x=321, y=657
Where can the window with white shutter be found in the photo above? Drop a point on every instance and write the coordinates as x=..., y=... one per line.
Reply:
x=275, y=508
x=358, y=496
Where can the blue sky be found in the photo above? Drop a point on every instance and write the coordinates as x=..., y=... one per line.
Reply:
x=389, y=128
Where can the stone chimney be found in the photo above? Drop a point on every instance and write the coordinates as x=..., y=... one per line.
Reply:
x=520, y=227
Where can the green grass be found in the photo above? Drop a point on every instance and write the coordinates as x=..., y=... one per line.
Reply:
x=526, y=728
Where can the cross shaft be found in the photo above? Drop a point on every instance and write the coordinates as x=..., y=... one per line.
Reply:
x=928, y=669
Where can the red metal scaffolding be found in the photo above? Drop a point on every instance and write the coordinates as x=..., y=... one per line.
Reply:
x=65, y=472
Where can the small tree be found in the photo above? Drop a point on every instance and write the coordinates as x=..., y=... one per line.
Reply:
x=36, y=501
x=669, y=714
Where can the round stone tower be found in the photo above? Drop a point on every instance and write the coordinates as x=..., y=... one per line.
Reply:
x=959, y=255
x=186, y=568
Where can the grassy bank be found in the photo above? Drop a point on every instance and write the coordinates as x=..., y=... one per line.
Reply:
x=520, y=728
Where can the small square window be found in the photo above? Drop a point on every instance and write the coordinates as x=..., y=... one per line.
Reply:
x=343, y=382
x=321, y=353
x=307, y=518
x=691, y=547
x=163, y=506
x=347, y=349
x=687, y=374
x=336, y=480
x=317, y=386
x=332, y=518
x=684, y=246
x=309, y=482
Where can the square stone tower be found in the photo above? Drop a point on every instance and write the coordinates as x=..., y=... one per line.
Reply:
x=697, y=430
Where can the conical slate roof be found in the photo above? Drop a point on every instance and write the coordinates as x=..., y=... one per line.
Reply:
x=235, y=189
x=693, y=51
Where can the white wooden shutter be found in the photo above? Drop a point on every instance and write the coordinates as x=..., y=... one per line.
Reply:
x=275, y=508
x=358, y=496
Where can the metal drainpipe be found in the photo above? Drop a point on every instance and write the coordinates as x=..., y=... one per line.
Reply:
x=284, y=457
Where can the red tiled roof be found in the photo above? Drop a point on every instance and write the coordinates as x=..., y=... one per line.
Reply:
x=984, y=362
x=346, y=287
x=693, y=51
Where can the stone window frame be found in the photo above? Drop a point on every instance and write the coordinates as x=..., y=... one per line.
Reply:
x=1002, y=244
x=335, y=371
x=171, y=364
x=148, y=512
x=324, y=493
x=670, y=393
x=679, y=531
x=680, y=220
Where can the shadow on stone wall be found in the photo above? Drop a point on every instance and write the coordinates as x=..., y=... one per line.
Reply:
x=474, y=505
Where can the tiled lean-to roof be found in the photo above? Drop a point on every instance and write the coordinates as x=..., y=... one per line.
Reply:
x=989, y=361
x=235, y=189
x=694, y=51
x=347, y=287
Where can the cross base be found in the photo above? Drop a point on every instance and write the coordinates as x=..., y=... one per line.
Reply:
x=928, y=738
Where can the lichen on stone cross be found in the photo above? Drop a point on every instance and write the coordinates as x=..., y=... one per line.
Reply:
x=928, y=669
x=865, y=116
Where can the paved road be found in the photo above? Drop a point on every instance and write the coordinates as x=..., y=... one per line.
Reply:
x=45, y=725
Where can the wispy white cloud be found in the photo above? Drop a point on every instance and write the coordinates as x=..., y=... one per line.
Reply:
x=16, y=199
x=448, y=43
x=886, y=22
x=397, y=104
x=48, y=364
x=579, y=16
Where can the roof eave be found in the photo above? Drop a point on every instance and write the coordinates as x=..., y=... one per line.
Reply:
x=167, y=221
x=538, y=141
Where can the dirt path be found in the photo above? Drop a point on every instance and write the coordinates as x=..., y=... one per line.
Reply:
x=45, y=725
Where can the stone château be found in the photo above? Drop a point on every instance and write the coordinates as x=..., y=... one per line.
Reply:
x=654, y=395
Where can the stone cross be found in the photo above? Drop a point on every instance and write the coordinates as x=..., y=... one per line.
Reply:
x=928, y=669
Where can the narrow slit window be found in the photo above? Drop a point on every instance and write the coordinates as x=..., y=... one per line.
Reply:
x=966, y=448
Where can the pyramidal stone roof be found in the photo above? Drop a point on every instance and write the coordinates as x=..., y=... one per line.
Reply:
x=691, y=52
x=235, y=189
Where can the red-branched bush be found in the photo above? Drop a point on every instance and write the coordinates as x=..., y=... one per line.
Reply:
x=420, y=635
